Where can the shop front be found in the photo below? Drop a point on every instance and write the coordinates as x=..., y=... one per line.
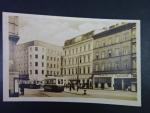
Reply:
x=113, y=82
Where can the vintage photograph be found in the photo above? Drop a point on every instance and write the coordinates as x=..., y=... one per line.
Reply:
x=70, y=59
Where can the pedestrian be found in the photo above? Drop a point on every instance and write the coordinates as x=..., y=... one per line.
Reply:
x=22, y=89
x=70, y=86
x=73, y=87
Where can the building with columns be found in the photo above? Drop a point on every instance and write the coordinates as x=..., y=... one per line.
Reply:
x=114, y=57
x=77, y=60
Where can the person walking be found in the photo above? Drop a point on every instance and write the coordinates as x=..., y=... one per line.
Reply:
x=22, y=89
x=70, y=86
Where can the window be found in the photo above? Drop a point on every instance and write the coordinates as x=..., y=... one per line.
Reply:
x=30, y=56
x=31, y=72
x=47, y=57
x=72, y=60
x=36, y=56
x=76, y=50
x=117, y=65
x=47, y=72
x=83, y=70
x=69, y=61
x=42, y=56
x=36, y=63
x=79, y=70
x=80, y=60
x=126, y=65
x=42, y=71
x=80, y=49
x=88, y=69
x=47, y=64
x=65, y=71
x=134, y=64
x=69, y=71
x=89, y=58
x=72, y=71
x=42, y=64
x=125, y=50
x=54, y=65
x=84, y=58
x=97, y=56
x=36, y=71
x=30, y=64
x=134, y=48
x=76, y=70
x=36, y=48
x=30, y=48
x=109, y=53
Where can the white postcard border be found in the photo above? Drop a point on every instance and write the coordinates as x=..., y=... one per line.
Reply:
x=66, y=99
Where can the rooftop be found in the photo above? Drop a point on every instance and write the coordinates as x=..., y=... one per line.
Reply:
x=114, y=29
x=79, y=38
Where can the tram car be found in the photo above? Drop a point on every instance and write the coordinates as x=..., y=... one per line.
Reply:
x=54, y=84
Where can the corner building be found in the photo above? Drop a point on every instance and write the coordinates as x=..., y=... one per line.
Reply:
x=37, y=59
x=114, y=57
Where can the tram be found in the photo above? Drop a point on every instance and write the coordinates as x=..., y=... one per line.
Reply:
x=54, y=84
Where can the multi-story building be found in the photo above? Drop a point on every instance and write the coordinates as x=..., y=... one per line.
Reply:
x=13, y=39
x=114, y=57
x=38, y=59
x=77, y=59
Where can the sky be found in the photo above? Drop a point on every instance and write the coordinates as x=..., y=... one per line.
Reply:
x=55, y=29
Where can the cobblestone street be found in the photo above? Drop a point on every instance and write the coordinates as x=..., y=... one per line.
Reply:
x=90, y=93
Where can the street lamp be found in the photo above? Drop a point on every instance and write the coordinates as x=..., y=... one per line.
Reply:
x=78, y=74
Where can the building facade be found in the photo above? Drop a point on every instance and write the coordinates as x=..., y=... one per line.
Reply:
x=37, y=59
x=114, y=57
x=77, y=60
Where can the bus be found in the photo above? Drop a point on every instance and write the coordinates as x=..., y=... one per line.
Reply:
x=54, y=84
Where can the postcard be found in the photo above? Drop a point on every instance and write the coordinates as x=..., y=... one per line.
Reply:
x=71, y=59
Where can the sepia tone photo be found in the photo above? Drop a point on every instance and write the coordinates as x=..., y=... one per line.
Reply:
x=68, y=59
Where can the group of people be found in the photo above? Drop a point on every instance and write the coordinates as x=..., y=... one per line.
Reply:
x=75, y=86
